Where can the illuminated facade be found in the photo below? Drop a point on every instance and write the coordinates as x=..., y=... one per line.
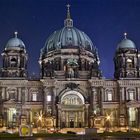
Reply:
x=71, y=92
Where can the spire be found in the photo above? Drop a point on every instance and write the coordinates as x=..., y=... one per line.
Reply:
x=68, y=11
x=15, y=33
x=68, y=21
x=125, y=35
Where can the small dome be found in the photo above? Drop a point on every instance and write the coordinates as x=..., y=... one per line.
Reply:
x=15, y=43
x=126, y=43
x=68, y=37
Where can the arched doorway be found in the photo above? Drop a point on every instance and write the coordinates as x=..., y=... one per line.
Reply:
x=71, y=110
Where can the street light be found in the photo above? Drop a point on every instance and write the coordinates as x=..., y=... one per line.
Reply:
x=108, y=117
x=39, y=119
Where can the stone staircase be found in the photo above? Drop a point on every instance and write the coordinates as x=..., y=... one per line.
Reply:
x=77, y=130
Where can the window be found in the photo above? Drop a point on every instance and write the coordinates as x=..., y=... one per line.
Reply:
x=131, y=95
x=132, y=114
x=129, y=63
x=109, y=96
x=49, y=98
x=12, y=95
x=13, y=62
x=129, y=60
x=34, y=97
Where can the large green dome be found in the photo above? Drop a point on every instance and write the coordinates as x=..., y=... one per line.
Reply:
x=68, y=37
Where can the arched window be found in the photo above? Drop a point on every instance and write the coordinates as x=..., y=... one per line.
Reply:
x=131, y=94
x=72, y=98
x=109, y=95
x=49, y=98
x=34, y=97
x=13, y=62
x=12, y=93
x=129, y=63
x=34, y=94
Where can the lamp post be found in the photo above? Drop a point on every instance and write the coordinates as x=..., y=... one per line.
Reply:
x=39, y=119
x=108, y=117
x=53, y=118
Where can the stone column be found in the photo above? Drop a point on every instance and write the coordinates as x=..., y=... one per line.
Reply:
x=76, y=118
x=59, y=116
x=138, y=89
x=19, y=94
x=139, y=117
x=86, y=115
x=62, y=64
x=1, y=104
x=101, y=92
x=54, y=101
x=94, y=99
x=67, y=119
x=5, y=117
x=45, y=100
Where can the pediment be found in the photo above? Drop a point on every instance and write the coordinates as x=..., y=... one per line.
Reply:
x=11, y=101
x=133, y=103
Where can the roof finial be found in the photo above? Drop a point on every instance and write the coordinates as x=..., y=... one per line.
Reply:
x=16, y=33
x=68, y=21
x=125, y=35
x=68, y=11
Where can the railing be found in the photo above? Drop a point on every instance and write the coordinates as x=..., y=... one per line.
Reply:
x=33, y=103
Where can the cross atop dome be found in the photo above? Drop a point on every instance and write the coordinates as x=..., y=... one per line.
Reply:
x=68, y=21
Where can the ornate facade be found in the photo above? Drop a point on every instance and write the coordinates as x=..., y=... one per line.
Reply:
x=71, y=91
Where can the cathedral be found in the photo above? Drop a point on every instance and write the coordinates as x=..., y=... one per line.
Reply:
x=71, y=91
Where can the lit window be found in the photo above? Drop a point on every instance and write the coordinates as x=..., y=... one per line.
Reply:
x=131, y=95
x=49, y=98
x=109, y=96
x=34, y=97
x=129, y=60
x=132, y=114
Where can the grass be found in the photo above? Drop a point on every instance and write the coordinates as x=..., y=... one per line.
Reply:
x=8, y=135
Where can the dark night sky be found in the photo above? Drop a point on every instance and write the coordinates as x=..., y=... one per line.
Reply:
x=104, y=21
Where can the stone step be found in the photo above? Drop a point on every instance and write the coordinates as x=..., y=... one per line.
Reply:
x=77, y=130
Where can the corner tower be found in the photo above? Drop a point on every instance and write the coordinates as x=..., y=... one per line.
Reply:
x=14, y=59
x=127, y=60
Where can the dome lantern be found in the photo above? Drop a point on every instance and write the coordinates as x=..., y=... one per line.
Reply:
x=68, y=22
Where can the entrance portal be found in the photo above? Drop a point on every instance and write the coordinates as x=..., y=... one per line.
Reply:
x=71, y=123
x=72, y=110
x=11, y=116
